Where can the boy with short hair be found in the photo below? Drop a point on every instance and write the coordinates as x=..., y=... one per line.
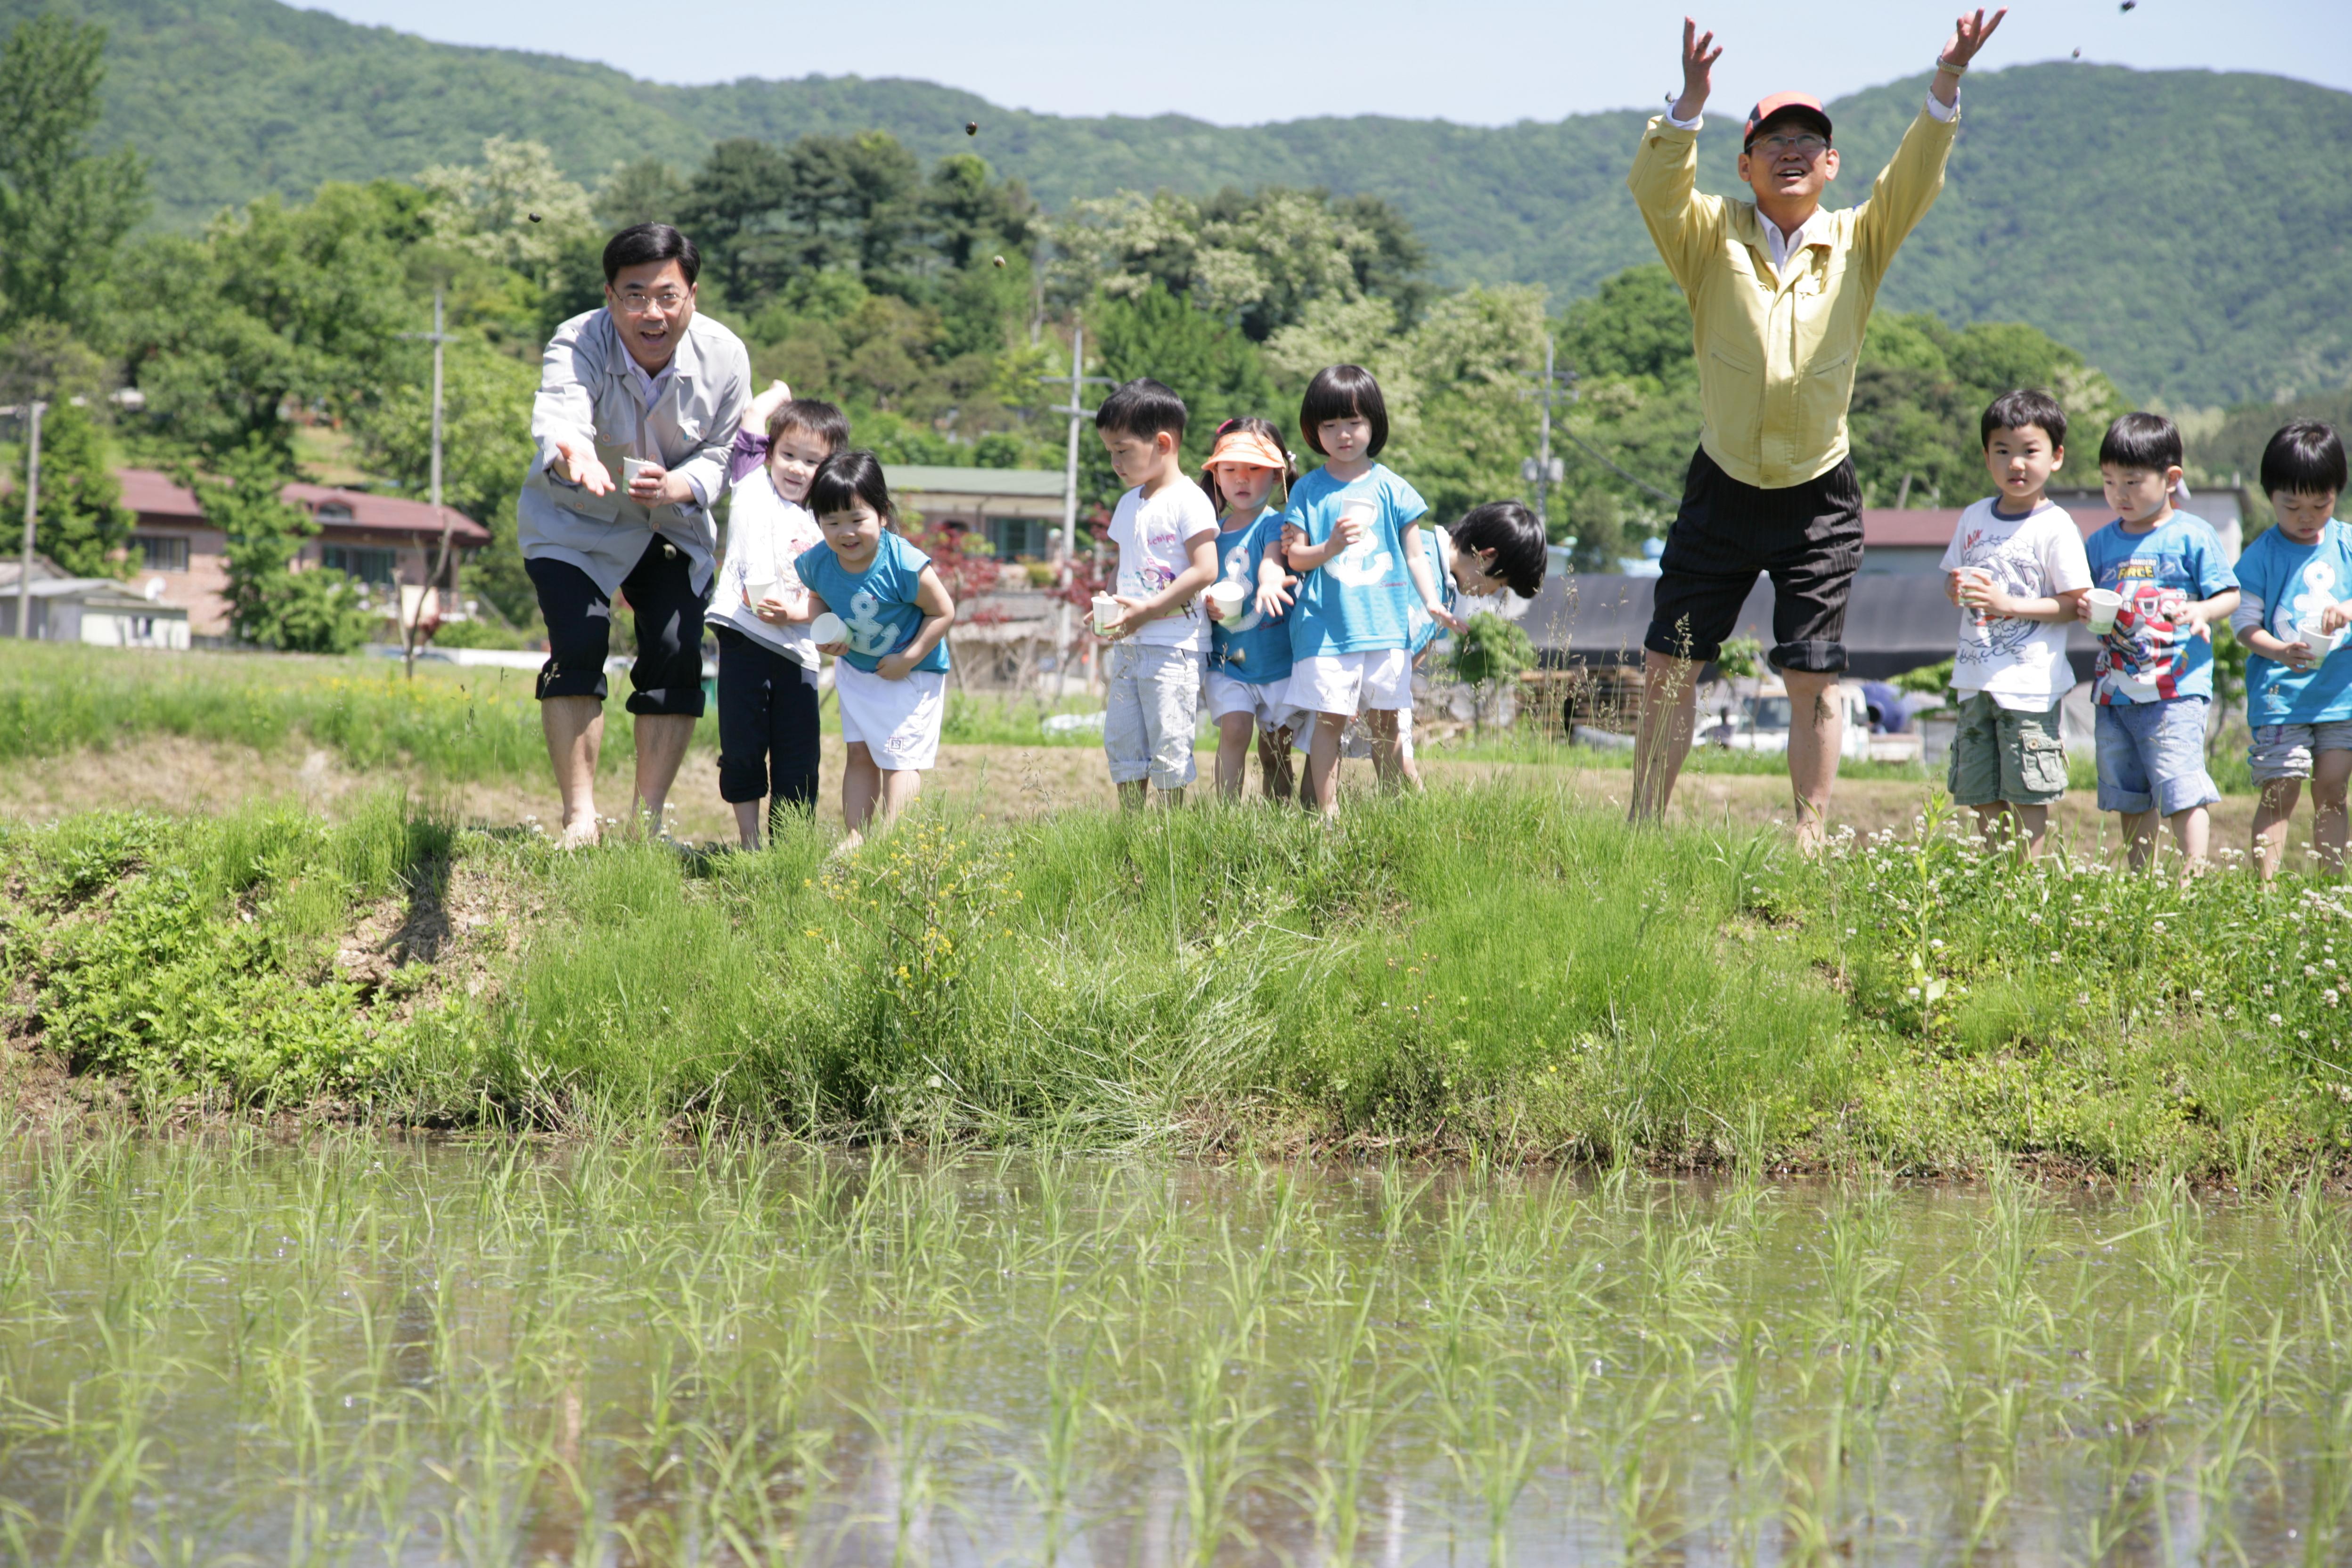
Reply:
x=2155, y=668
x=2292, y=580
x=1166, y=533
x=2016, y=569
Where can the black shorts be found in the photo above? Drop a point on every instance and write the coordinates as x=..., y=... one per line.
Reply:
x=768, y=744
x=668, y=675
x=1808, y=537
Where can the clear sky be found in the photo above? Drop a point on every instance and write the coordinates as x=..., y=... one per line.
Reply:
x=1485, y=62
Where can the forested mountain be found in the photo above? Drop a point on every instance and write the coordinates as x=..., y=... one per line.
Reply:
x=2184, y=229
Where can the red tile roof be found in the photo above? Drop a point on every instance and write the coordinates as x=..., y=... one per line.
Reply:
x=151, y=494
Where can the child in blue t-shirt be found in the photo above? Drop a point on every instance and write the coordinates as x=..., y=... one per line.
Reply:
x=1352, y=532
x=890, y=661
x=1249, y=652
x=2154, y=673
x=2292, y=582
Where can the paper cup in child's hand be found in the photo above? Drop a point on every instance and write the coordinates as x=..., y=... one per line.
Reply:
x=2322, y=643
x=828, y=628
x=756, y=589
x=1358, y=514
x=1109, y=612
x=2099, y=608
x=1225, y=598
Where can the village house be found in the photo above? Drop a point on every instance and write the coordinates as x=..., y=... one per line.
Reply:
x=383, y=543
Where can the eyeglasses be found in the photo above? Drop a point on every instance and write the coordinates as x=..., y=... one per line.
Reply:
x=1805, y=146
x=637, y=301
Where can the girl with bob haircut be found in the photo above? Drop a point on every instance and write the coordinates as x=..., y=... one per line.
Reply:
x=890, y=656
x=1352, y=531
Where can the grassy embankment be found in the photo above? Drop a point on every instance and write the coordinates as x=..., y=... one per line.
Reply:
x=1500, y=968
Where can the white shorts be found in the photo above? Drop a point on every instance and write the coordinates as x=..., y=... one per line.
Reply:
x=898, y=721
x=1351, y=682
x=1266, y=702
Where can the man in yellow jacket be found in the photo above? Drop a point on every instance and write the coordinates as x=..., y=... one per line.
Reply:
x=1779, y=292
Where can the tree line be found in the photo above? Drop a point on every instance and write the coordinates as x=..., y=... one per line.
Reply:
x=928, y=301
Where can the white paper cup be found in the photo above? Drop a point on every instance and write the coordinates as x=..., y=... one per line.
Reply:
x=1226, y=599
x=1108, y=611
x=2100, y=606
x=828, y=628
x=2322, y=643
x=630, y=469
x=1361, y=510
x=758, y=588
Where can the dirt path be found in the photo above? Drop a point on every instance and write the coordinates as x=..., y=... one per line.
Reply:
x=167, y=773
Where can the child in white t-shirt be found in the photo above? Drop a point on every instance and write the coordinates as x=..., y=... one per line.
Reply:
x=1166, y=531
x=2016, y=569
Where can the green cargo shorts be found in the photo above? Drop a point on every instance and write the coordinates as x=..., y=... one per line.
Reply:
x=2006, y=754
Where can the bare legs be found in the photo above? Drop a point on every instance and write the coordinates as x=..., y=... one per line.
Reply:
x=1392, y=764
x=574, y=727
x=2191, y=829
x=1274, y=764
x=1320, y=789
x=868, y=792
x=1816, y=734
x=1661, y=737
x=2330, y=772
x=1662, y=741
x=2024, y=827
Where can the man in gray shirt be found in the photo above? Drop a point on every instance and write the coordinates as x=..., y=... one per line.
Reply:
x=636, y=411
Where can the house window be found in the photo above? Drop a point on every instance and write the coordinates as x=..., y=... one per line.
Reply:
x=162, y=552
x=1018, y=537
x=380, y=567
x=332, y=511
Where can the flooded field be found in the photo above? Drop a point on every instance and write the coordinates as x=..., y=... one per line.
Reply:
x=362, y=1351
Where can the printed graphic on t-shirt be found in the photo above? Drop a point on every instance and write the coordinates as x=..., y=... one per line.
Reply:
x=1160, y=534
x=2144, y=657
x=1239, y=567
x=2317, y=586
x=867, y=633
x=1362, y=564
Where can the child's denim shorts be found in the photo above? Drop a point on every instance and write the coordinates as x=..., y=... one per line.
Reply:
x=2152, y=755
x=2284, y=751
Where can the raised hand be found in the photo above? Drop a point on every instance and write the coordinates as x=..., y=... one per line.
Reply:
x=1970, y=34
x=1698, y=66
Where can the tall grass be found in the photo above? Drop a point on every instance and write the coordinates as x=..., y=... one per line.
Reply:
x=1496, y=971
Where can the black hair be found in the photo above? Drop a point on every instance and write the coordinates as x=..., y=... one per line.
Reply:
x=1343, y=392
x=2305, y=457
x=1512, y=532
x=1142, y=407
x=2022, y=409
x=846, y=478
x=822, y=420
x=1252, y=425
x=2142, y=441
x=645, y=242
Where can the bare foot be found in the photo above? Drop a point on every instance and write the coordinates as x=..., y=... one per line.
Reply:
x=848, y=844
x=577, y=834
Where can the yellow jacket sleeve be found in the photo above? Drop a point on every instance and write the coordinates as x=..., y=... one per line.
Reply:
x=1684, y=225
x=1905, y=189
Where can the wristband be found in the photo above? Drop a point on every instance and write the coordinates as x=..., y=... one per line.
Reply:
x=1956, y=70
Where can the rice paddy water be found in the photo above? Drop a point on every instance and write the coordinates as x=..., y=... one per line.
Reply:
x=359, y=1349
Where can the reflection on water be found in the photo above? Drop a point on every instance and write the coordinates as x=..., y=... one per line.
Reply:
x=366, y=1351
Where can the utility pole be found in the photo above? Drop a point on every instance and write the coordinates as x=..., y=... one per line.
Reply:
x=411, y=624
x=1543, y=470
x=1077, y=381
x=32, y=516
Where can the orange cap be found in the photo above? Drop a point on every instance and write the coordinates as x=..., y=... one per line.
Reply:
x=1799, y=106
x=1247, y=446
